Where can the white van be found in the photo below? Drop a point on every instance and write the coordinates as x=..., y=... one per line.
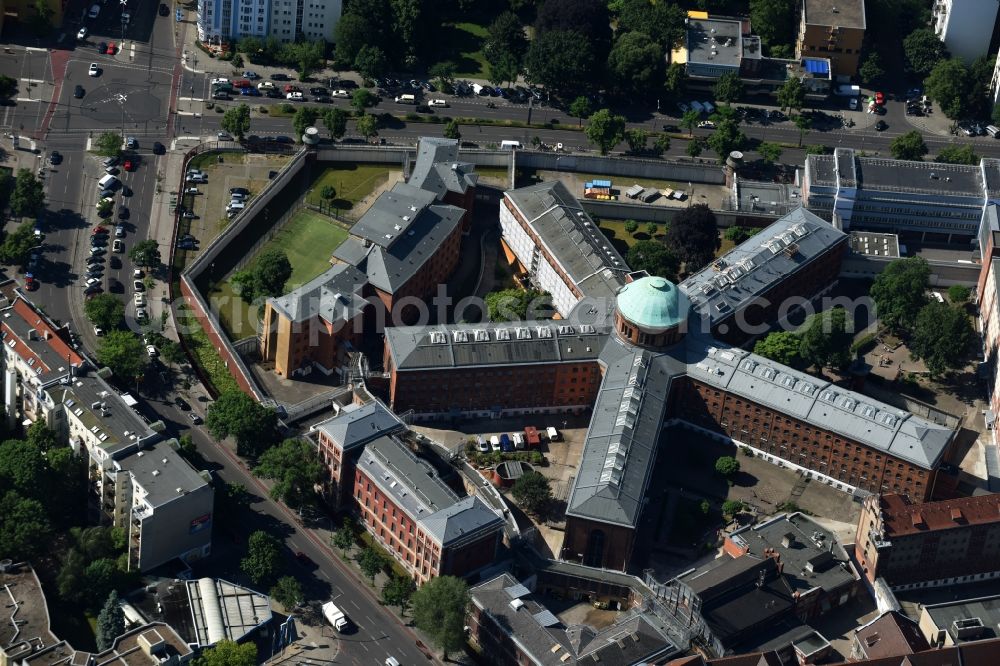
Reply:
x=234, y=208
x=391, y=661
x=993, y=130
x=107, y=182
x=510, y=145
x=406, y=99
x=495, y=443
x=518, y=439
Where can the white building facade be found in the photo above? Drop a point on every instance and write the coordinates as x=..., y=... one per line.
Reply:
x=287, y=20
x=965, y=26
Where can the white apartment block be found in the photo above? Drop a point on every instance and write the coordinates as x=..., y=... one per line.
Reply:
x=965, y=26
x=287, y=20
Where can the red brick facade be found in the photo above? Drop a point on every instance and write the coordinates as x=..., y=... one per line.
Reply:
x=597, y=544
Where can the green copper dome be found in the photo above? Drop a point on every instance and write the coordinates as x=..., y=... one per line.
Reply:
x=653, y=303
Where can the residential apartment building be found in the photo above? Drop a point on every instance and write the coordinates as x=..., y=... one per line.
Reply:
x=889, y=634
x=979, y=653
x=919, y=201
x=911, y=544
x=401, y=251
x=834, y=30
x=718, y=45
x=287, y=20
x=508, y=622
x=965, y=26
x=423, y=523
x=988, y=296
x=651, y=360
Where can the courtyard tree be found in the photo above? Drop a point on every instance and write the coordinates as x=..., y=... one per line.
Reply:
x=958, y=293
x=110, y=622
x=941, y=337
x=631, y=226
x=439, y=607
x=229, y=653
x=727, y=466
x=605, y=130
x=124, y=353
x=145, y=253
x=923, y=49
x=109, y=144
x=336, y=122
x=785, y=347
x=105, y=311
x=532, y=492
x=236, y=121
x=272, y=270
x=733, y=508
x=263, y=558
x=900, y=291
x=236, y=414
x=826, y=339
x=738, y=234
x=694, y=236
x=295, y=469
x=909, y=146
x=654, y=257
x=517, y=304
x=329, y=193
x=25, y=529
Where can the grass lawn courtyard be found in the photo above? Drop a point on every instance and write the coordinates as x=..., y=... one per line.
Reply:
x=353, y=182
x=308, y=239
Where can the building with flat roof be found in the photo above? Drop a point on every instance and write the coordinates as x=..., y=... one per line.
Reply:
x=508, y=622
x=889, y=634
x=961, y=621
x=922, y=201
x=832, y=30
x=911, y=544
x=401, y=250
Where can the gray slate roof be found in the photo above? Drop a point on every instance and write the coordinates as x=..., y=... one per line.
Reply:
x=464, y=345
x=357, y=424
x=437, y=168
x=392, y=215
x=334, y=295
x=467, y=516
x=572, y=237
x=538, y=633
x=758, y=264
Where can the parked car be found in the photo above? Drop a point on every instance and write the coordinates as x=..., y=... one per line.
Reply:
x=495, y=443
x=94, y=70
x=131, y=143
x=112, y=49
x=129, y=165
x=118, y=246
x=482, y=445
x=195, y=419
x=81, y=33
x=279, y=76
x=250, y=74
x=294, y=97
x=164, y=10
x=881, y=126
x=505, y=444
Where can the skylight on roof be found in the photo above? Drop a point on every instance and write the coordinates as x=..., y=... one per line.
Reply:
x=523, y=333
x=502, y=333
x=749, y=365
x=482, y=336
x=438, y=338
x=828, y=396
x=565, y=330
x=460, y=336
x=586, y=328
x=887, y=419
x=544, y=332
x=848, y=403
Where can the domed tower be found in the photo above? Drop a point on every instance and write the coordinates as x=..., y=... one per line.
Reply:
x=651, y=312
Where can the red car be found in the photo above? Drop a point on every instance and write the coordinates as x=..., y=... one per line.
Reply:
x=112, y=49
x=290, y=88
x=30, y=283
x=879, y=98
x=129, y=165
x=100, y=230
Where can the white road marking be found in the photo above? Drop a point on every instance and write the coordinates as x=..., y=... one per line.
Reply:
x=35, y=48
x=33, y=80
x=365, y=646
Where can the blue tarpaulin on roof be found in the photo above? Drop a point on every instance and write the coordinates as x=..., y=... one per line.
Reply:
x=816, y=66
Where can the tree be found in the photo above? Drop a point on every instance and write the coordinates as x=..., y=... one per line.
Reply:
x=909, y=146
x=727, y=466
x=288, y=592
x=652, y=228
x=305, y=116
x=923, y=50
x=631, y=226
x=244, y=283
x=145, y=253
x=23, y=468
x=236, y=414
x=294, y=468
x=109, y=144
x=791, y=95
x=398, y=591
x=307, y=56
x=654, y=257
x=236, y=121
x=505, y=46
x=104, y=207
x=271, y=271
x=105, y=311
x=516, y=304
x=371, y=562
x=439, y=610
x=738, y=234
x=580, y=108
x=690, y=120
x=28, y=196
x=8, y=87
x=43, y=438
x=229, y=653
x=958, y=293
x=444, y=74
x=769, y=152
x=941, y=337
x=675, y=80
x=532, y=492
x=451, y=130
x=636, y=139
x=562, y=61
x=661, y=144
x=899, y=292
x=589, y=18
x=362, y=98
x=726, y=138
x=71, y=580
x=948, y=85
x=18, y=244
x=110, y=622
x=329, y=193
x=694, y=148
x=733, y=508
x=335, y=121
x=957, y=154
x=371, y=62
x=826, y=339
x=871, y=69
x=773, y=21
x=694, y=236
x=803, y=124
x=605, y=130
x=344, y=537
x=729, y=88
x=263, y=557
x=367, y=126
x=102, y=576
x=351, y=34
x=24, y=527
x=124, y=353
x=636, y=64
x=785, y=347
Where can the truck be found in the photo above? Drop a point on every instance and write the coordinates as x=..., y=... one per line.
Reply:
x=335, y=616
x=532, y=438
x=847, y=91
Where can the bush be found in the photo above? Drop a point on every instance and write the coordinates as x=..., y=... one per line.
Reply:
x=863, y=345
x=958, y=293
x=727, y=466
x=732, y=508
x=747, y=451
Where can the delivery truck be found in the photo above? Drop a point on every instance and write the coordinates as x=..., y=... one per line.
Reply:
x=335, y=616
